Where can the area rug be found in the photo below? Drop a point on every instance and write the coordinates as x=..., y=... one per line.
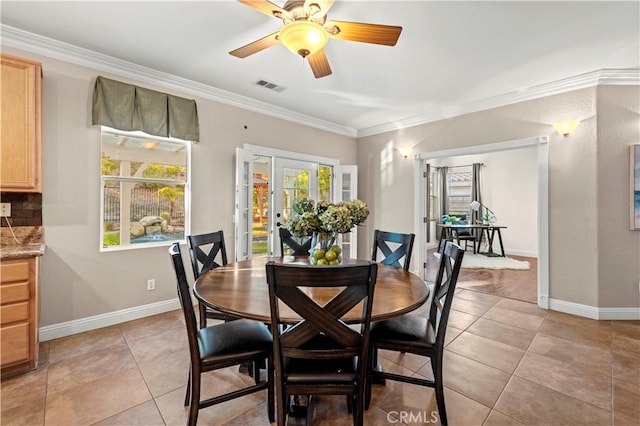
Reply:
x=480, y=261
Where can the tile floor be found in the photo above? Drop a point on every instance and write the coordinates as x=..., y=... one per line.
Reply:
x=507, y=363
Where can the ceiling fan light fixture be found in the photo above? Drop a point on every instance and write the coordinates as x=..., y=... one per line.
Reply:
x=303, y=38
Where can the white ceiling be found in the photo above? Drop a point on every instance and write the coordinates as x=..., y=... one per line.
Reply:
x=450, y=56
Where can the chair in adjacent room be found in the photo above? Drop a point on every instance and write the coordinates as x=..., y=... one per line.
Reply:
x=421, y=335
x=295, y=248
x=321, y=354
x=208, y=251
x=468, y=235
x=392, y=248
x=220, y=346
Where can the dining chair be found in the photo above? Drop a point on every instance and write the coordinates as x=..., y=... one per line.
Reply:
x=321, y=354
x=465, y=234
x=220, y=346
x=421, y=335
x=208, y=251
x=291, y=245
x=392, y=248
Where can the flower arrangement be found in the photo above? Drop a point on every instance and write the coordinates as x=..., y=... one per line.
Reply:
x=326, y=217
x=449, y=219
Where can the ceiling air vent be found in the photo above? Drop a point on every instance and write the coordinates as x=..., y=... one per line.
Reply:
x=270, y=86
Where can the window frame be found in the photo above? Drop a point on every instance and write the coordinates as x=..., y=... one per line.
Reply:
x=186, y=182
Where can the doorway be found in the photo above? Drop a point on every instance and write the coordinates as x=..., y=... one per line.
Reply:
x=541, y=147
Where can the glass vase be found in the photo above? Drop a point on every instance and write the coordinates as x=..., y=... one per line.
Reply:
x=324, y=251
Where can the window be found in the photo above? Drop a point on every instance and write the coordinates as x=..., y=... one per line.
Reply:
x=459, y=180
x=145, y=190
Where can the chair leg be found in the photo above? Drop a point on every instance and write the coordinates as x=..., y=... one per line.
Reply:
x=436, y=364
x=194, y=404
x=187, y=396
x=271, y=391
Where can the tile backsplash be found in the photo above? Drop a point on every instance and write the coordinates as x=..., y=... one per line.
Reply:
x=26, y=208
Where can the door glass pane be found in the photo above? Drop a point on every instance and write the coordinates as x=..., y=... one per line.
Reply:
x=261, y=180
x=324, y=183
x=295, y=188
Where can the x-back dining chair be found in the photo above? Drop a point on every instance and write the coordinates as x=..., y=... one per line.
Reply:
x=208, y=251
x=392, y=248
x=220, y=346
x=295, y=248
x=321, y=354
x=421, y=335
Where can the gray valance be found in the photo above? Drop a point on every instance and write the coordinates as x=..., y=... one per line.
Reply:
x=127, y=107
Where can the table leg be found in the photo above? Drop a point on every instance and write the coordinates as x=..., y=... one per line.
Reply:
x=490, y=252
x=500, y=240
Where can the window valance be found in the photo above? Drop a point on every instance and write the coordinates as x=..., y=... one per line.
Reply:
x=127, y=107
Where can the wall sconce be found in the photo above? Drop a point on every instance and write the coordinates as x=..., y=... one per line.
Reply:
x=566, y=126
x=405, y=151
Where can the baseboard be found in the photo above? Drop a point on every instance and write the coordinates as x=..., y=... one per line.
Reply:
x=523, y=253
x=594, y=312
x=68, y=328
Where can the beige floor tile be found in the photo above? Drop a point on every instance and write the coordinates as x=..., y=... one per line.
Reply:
x=473, y=379
x=587, y=333
x=587, y=357
x=626, y=367
x=82, y=343
x=153, y=346
x=522, y=307
x=28, y=414
x=460, y=320
x=145, y=414
x=496, y=418
x=451, y=335
x=626, y=402
x=522, y=320
x=472, y=307
x=533, y=404
x=504, y=333
x=630, y=329
x=24, y=390
x=571, y=379
x=167, y=372
x=89, y=367
x=410, y=361
x=145, y=327
x=95, y=401
x=477, y=296
x=257, y=416
x=487, y=351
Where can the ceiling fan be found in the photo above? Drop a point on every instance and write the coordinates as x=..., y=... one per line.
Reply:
x=306, y=31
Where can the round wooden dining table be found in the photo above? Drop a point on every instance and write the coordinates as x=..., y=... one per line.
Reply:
x=241, y=289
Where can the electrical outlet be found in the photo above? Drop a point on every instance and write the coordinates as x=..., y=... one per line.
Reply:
x=5, y=209
x=151, y=284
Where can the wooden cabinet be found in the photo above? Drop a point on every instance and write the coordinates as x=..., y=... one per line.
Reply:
x=21, y=111
x=19, y=315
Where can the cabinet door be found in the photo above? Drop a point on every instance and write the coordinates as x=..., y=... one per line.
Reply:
x=14, y=343
x=20, y=167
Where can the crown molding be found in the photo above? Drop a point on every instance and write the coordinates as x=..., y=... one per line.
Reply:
x=595, y=78
x=38, y=44
x=34, y=43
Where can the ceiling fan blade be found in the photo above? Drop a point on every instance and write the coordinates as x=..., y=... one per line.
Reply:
x=321, y=10
x=265, y=7
x=319, y=64
x=364, y=33
x=256, y=46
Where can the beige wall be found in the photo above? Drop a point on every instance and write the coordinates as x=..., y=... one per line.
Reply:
x=77, y=280
x=619, y=248
x=580, y=179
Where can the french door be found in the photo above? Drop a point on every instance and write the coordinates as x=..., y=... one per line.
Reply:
x=269, y=182
x=293, y=181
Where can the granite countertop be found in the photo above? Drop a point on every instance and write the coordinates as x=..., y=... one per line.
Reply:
x=21, y=242
x=20, y=251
